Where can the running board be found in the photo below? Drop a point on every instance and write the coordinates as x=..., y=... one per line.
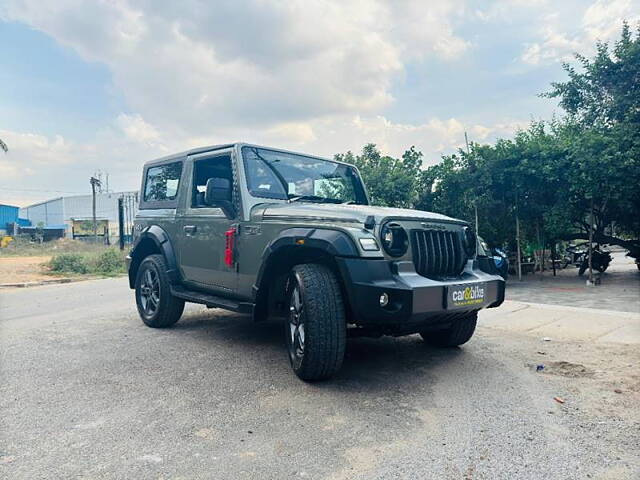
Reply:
x=211, y=301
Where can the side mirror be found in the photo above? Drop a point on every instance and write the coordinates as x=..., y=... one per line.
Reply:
x=218, y=194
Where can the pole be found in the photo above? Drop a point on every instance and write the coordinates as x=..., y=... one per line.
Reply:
x=519, y=253
x=475, y=207
x=121, y=222
x=94, y=183
x=553, y=257
x=591, y=244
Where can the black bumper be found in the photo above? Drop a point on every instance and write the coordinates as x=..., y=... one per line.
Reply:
x=415, y=303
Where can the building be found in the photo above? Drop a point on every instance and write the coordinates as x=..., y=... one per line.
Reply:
x=9, y=218
x=8, y=214
x=74, y=214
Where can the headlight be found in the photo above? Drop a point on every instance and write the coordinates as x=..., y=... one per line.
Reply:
x=394, y=239
x=470, y=241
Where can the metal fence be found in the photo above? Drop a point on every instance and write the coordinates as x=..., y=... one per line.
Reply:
x=127, y=209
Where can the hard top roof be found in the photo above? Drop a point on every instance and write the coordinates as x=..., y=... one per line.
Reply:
x=212, y=148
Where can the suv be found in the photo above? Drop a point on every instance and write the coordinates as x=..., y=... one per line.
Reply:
x=273, y=233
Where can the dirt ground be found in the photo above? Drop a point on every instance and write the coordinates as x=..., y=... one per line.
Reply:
x=25, y=269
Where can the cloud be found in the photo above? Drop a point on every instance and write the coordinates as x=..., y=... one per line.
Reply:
x=196, y=66
x=35, y=162
x=136, y=128
x=600, y=21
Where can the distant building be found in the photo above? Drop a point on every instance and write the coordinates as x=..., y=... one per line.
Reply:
x=9, y=217
x=74, y=213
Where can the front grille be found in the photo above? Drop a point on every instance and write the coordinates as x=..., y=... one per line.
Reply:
x=437, y=253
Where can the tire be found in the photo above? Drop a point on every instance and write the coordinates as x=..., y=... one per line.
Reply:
x=156, y=306
x=458, y=333
x=315, y=327
x=583, y=268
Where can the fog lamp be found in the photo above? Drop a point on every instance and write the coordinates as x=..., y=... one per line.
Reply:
x=384, y=300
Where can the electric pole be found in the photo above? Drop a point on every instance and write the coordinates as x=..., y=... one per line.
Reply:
x=94, y=183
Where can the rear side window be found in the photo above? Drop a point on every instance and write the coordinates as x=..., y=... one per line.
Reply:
x=161, y=183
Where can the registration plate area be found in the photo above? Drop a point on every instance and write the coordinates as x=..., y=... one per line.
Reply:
x=465, y=296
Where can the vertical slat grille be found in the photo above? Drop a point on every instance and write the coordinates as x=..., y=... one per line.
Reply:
x=437, y=253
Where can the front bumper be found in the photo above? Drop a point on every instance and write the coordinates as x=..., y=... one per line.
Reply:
x=415, y=303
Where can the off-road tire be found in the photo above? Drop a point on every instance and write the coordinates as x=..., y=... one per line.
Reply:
x=169, y=308
x=325, y=328
x=458, y=333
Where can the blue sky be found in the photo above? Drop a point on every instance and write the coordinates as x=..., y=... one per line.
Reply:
x=109, y=85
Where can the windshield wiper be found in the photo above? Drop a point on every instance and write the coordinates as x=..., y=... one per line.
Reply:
x=313, y=198
x=275, y=171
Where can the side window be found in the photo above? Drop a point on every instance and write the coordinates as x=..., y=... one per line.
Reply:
x=162, y=182
x=203, y=170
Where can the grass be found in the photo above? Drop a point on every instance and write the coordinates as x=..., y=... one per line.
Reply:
x=70, y=257
x=24, y=247
x=107, y=262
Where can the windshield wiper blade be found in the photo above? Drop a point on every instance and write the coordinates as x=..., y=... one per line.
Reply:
x=275, y=171
x=313, y=198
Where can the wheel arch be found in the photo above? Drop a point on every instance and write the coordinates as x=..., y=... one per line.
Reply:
x=153, y=240
x=292, y=247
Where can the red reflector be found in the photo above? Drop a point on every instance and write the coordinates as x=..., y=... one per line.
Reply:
x=229, y=237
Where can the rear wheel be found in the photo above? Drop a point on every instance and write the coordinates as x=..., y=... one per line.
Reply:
x=458, y=333
x=315, y=329
x=156, y=306
x=583, y=268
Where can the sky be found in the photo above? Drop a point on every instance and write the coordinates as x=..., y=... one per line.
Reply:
x=91, y=86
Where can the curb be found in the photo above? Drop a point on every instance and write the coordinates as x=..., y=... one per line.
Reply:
x=36, y=284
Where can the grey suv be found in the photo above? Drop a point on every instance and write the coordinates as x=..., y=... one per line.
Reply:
x=272, y=233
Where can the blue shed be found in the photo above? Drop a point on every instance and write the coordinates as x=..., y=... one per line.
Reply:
x=8, y=214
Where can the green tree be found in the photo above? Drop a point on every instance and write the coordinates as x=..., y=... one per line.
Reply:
x=391, y=182
x=602, y=134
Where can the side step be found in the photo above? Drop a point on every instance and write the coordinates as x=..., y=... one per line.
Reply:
x=211, y=301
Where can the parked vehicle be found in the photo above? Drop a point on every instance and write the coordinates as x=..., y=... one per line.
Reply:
x=499, y=259
x=273, y=233
x=574, y=254
x=600, y=260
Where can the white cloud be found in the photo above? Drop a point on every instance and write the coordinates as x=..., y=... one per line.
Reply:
x=196, y=66
x=600, y=21
x=136, y=128
x=36, y=162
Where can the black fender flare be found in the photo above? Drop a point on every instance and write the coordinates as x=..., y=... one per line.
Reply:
x=333, y=242
x=163, y=244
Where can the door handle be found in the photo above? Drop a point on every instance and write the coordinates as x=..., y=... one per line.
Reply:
x=190, y=229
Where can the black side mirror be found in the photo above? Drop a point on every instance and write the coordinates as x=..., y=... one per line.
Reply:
x=218, y=194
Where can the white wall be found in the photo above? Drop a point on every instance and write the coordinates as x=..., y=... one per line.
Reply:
x=64, y=210
x=50, y=212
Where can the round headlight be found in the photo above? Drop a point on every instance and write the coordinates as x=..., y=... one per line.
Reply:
x=394, y=239
x=470, y=241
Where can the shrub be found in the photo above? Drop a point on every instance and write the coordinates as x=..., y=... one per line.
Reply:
x=69, y=263
x=109, y=262
x=105, y=262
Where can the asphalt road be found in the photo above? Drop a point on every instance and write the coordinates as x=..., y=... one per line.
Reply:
x=87, y=391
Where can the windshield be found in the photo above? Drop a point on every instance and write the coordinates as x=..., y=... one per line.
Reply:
x=287, y=176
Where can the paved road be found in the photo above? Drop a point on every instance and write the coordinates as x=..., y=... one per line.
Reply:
x=619, y=288
x=87, y=391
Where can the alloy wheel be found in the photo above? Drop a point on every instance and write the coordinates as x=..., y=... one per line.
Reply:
x=150, y=292
x=296, y=326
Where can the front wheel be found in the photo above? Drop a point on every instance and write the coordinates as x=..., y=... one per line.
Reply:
x=315, y=329
x=458, y=333
x=156, y=306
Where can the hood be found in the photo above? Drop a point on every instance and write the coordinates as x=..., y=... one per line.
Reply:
x=331, y=213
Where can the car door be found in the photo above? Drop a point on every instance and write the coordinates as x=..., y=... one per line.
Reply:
x=201, y=250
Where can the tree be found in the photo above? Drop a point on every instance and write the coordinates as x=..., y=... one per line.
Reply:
x=602, y=133
x=391, y=182
x=3, y=146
